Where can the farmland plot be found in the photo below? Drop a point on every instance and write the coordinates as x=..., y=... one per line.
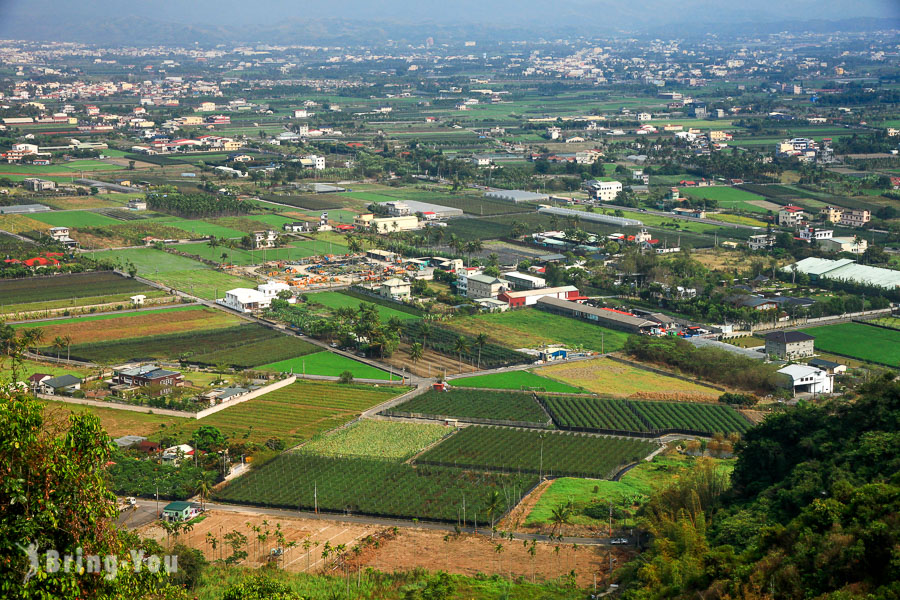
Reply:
x=378, y=439
x=58, y=287
x=372, y=487
x=518, y=451
x=475, y=404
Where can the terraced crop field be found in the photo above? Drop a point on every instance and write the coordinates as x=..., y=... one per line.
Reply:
x=519, y=451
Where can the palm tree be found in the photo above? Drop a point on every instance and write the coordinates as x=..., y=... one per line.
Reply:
x=212, y=541
x=58, y=344
x=68, y=340
x=415, y=352
x=37, y=337
x=499, y=550
x=494, y=504
x=561, y=515
x=460, y=346
x=480, y=341
x=204, y=486
x=532, y=551
x=224, y=258
x=426, y=330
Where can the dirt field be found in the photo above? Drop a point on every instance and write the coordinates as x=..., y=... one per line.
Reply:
x=764, y=204
x=431, y=364
x=407, y=549
x=130, y=325
x=611, y=378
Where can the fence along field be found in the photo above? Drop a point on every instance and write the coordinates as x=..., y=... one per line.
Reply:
x=518, y=451
x=61, y=287
x=301, y=481
x=642, y=417
x=475, y=404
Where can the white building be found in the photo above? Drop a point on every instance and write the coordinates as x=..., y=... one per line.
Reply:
x=245, y=300
x=271, y=290
x=524, y=281
x=605, y=191
x=485, y=286
x=805, y=379
x=845, y=244
x=811, y=234
x=265, y=239
x=644, y=116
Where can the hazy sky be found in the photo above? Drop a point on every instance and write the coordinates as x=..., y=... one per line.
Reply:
x=21, y=17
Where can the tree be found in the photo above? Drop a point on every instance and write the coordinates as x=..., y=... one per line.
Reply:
x=561, y=514
x=204, y=486
x=415, y=352
x=499, y=550
x=58, y=344
x=258, y=587
x=460, y=346
x=208, y=438
x=480, y=341
x=346, y=377
x=54, y=496
x=425, y=330
x=493, y=506
x=67, y=339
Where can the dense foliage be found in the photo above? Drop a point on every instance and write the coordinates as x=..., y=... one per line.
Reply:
x=131, y=477
x=59, y=287
x=710, y=364
x=813, y=512
x=196, y=205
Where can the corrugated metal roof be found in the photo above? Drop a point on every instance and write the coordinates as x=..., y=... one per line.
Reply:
x=846, y=269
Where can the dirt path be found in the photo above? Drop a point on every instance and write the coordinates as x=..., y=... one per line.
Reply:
x=514, y=520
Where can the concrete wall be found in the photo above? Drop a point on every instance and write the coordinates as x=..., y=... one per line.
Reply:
x=254, y=394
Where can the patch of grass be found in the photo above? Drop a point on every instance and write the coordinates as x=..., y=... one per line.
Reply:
x=475, y=404
x=328, y=364
x=515, y=380
x=335, y=300
x=74, y=218
x=857, y=340
x=199, y=228
x=727, y=197
x=632, y=491
x=58, y=287
x=531, y=328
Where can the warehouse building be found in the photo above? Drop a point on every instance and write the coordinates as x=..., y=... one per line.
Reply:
x=846, y=269
x=516, y=196
x=607, y=317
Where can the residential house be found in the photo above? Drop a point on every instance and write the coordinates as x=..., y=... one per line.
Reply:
x=761, y=242
x=64, y=384
x=831, y=214
x=220, y=395
x=396, y=289
x=174, y=454
x=805, y=379
x=180, y=511
x=855, y=218
x=605, y=191
x=811, y=234
x=790, y=216
x=245, y=300
x=265, y=239
x=485, y=286
x=160, y=381
x=298, y=227
x=38, y=185
x=833, y=368
x=789, y=345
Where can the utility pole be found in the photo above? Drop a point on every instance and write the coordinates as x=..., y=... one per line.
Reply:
x=316, y=497
x=157, y=499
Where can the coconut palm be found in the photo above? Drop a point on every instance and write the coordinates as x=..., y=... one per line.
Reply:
x=415, y=352
x=460, y=346
x=494, y=504
x=37, y=337
x=480, y=341
x=68, y=340
x=425, y=330
x=204, y=486
x=58, y=344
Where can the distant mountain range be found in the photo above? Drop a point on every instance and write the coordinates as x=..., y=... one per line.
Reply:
x=352, y=22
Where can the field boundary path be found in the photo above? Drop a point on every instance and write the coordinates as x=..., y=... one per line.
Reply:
x=117, y=312
x=830, y=320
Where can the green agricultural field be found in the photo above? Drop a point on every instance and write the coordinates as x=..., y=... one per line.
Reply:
x=58, y=287
x=176, y=271
x=630, y=492
x=328, y=364
x=292, y=414
x=74, y=218
x=378, y=439
x=335, y=300
x=239, y=256
x=531, y=328
x=727, y=197
x=857, y=340
x=522, y=451
x=618, y=415
x=515, y=380
x=474, y=404
x=26, y=368
x=242, y=346
x=372, y=487
x=199, y=228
